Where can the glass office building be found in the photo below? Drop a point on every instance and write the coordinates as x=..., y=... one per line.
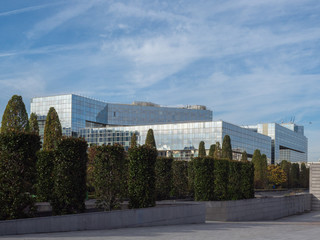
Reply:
x=182, y=139
x=288, y=141
x=77, y=112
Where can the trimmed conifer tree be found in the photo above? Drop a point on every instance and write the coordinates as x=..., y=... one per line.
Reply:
x=33, y=124
x=15, y=117
x=212, y=149
x=133, y=142
x=52, y=130
x=244, y=156
x=217, y=151
x=150, y=141
x=260, y=169
x=226, y=151
x=201, y=150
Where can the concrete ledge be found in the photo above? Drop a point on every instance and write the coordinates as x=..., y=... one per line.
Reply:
x=258, y=208
x=163, y=214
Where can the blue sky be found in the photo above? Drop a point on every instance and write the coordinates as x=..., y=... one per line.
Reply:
x=248, y=61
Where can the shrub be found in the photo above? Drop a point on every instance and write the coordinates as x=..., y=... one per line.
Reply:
x=203, y=179
x=110, y=167
x=163, y=171
x=226, y=151
x=180, y=187
x=234, y=180
x=44, y=168
x=221, y=172
x=141, y=183
x=247, y=180
x=17, y=173
x=69, y=174
x=52, y=130
x=191, y=177
x=150, y=141
x=212, y=150
x=202, y=149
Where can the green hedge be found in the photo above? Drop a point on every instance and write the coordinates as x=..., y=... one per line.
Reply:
x=203, y=179
x=17, y=174
x=234, y=180
x=69, y=174
x=221, y=178
x=163, y=171
x=110, y=168
x=191, y=177
x=180, y=179
x=44, y=166
x=247, y=180
x=141, y=183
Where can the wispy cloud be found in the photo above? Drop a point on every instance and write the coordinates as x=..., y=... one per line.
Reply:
x=28, y=9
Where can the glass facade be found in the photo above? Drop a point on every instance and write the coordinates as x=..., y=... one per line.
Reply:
x=77, y=112
x=288, y=141
x=182, y=139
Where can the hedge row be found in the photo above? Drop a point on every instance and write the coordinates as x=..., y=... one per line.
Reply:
x=222, y=179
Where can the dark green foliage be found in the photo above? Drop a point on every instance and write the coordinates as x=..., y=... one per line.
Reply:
x=244, y=156
x=203, y=179
x=92, y=150
x=217, y=151
x=150, y=141
x=221, y=178
x=201, y=150
x=141, y=181
x=304, y=176
x=247, y=180
x=110, y=168
x=17, y=173
x=163, y=171
x=191, y=177
x=294, y=175
x=44, y=168
x=286, y=167
x=52, y=130
x=133, y=142
x=33, y=124
x=180, y=179
x=15, y=117
x=69, y=174
x=212, y=149
x=226, y=151
x=234, y=182
x=260, y=169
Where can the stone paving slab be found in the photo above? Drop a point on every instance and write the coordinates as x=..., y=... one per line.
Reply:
x=305, y=226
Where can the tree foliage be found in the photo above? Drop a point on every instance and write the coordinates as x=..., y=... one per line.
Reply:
x=276, y=175
x=33, y=124
x=226, y=152
x=141, y=183
x=17, y=173
x=163, y=171
x=52, y=130
x=260, y=169
x=244, y=156
x=133, y=142
x=201, y=150
x=69, y=174
x=295, y=175
x=286, y=167
x=110, y=172
x=150, y=141
x=15, y=117
x=211, y=150
x=180, y=179
x=217, y=152
x=304, y=176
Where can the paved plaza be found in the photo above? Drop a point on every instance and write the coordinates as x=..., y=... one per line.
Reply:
x=300, y=227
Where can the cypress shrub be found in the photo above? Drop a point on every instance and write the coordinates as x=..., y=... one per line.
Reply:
x=244, y=156
x=234, y=180
x=191, y=177
x=110, y=167
x=163, y=171
x=204, y=179
x=247, y=180
x=286, y=167
x=212, y=150
x=33, y=124
x=295, y=175
x=304, y=176
x=150, y=141
x=69, y=174
x=52, y=130
x=201, y=150
x=44, y=168
x=17, y=173
x=226, y=151
x=221, y=172
x=141, y=183
x=180, y=179
x=133, y=140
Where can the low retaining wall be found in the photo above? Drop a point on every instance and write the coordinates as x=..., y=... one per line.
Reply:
x=179, y=213
x=315, y=185
x=258, y=208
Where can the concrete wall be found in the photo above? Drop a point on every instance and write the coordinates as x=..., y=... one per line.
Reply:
x=258, y=208
x=315, y=185
x=179, y=213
